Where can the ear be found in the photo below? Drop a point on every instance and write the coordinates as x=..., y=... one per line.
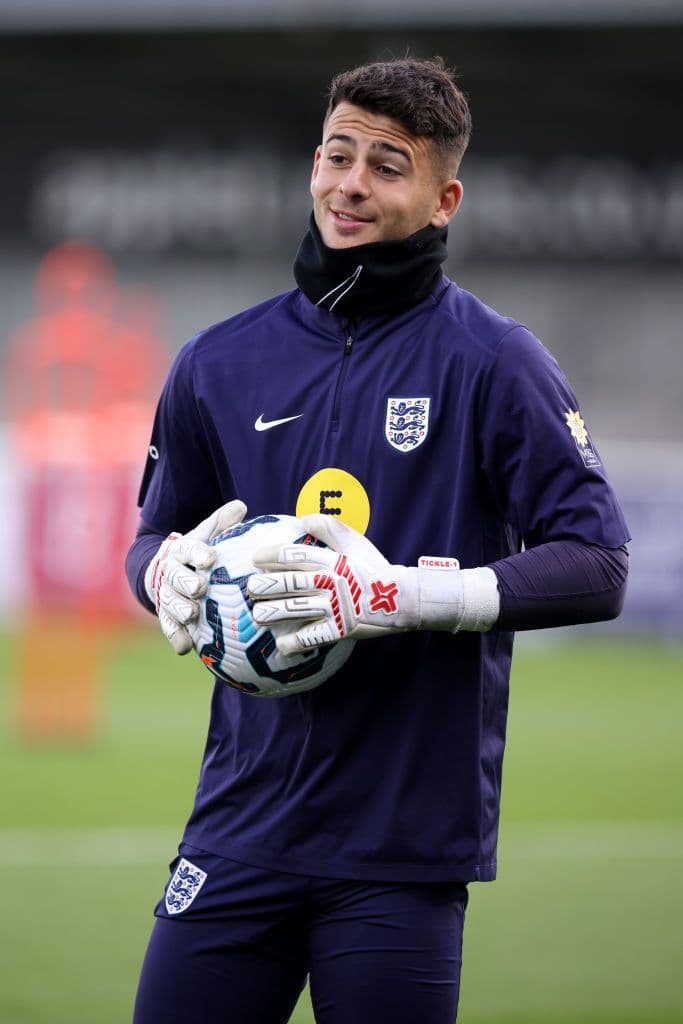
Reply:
x=451, y=197
x=316, y=164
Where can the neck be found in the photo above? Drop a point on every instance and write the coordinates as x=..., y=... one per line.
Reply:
x=378, y=278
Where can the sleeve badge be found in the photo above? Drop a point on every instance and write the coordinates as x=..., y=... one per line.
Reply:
x=577, y=428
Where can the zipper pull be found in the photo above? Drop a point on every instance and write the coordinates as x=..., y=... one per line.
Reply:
x=348, y=345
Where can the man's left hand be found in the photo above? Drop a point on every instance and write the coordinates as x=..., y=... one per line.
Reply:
x=347, y=589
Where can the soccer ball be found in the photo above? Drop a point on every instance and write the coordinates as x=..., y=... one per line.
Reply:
x=238, y=650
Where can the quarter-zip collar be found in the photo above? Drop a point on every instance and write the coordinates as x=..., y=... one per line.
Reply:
x=337, y=327
x=378, y=278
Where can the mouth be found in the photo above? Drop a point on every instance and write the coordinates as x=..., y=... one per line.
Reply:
x=344, y=219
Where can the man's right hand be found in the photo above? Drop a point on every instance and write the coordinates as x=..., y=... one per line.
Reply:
x=171, y=580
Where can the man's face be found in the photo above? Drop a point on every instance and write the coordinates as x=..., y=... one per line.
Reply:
x=374, y=182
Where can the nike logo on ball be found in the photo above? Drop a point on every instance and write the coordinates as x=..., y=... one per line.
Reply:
x=262, y=424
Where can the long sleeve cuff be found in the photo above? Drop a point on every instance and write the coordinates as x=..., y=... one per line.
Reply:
x=141, y=552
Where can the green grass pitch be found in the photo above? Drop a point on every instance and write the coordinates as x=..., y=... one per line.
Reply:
x=583, y=925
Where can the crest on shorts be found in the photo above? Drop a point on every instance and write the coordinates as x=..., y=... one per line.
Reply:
x=577, y=428
x=186, y=882
x=407, y=422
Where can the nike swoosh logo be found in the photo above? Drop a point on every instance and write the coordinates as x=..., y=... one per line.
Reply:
x=262, y=424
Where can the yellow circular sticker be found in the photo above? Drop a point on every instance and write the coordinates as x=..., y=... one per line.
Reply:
x=334, y=492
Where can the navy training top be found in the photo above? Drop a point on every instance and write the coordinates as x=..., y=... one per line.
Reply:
x=450, y=430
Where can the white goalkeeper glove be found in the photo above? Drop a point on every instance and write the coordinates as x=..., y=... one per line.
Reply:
x=171, y=581
x=349, y=589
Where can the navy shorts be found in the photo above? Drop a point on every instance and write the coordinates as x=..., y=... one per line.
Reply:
x=235, y=943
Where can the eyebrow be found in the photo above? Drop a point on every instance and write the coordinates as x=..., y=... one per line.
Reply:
x=385, y=147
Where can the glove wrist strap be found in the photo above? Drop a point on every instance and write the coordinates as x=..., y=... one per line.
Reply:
x=451, y=599
x=481, y=600
x=149, y=590
x=154, y=572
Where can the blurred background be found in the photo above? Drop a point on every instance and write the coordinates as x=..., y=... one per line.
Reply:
x=154, y=180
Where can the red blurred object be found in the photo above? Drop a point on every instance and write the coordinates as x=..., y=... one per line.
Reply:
x=81, y=379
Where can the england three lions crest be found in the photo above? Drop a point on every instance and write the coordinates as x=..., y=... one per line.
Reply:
x=186, y=882
x=407, y=422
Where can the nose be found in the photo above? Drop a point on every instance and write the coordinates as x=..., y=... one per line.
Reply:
x=355, y=183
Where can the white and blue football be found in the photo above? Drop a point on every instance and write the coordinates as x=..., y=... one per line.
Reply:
x=239, y=651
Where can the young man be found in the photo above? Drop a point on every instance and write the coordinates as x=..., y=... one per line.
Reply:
x=334, y=833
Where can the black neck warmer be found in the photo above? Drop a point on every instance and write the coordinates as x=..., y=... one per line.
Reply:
x=372, y=279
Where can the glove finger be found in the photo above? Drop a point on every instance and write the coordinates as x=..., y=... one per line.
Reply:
x=301, y=608
x=223, y=518
x=177, y=635
x=190, y=551
x=184, y=580
x=279, y=584
x=275, y=556
x=317, y=634
x=229, y=515
x=343, y=539
x=175, y=606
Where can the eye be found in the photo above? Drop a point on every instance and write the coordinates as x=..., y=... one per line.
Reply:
x=388, y=172
x=337, y=159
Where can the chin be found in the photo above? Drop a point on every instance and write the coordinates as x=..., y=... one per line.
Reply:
x=345, y=242
x=337, y=240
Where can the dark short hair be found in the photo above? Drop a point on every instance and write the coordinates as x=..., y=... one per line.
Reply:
x=420, y=94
